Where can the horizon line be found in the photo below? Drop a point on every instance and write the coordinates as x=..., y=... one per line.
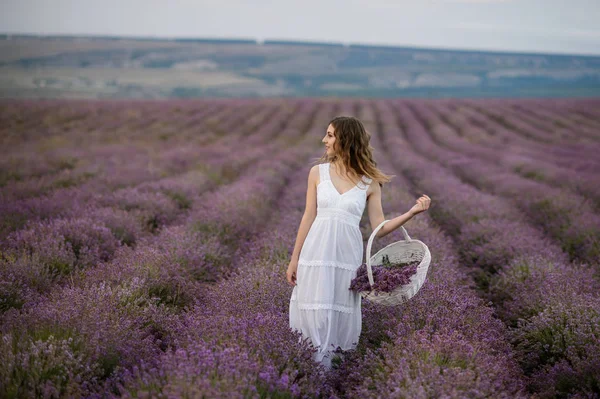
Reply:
x=269, y=41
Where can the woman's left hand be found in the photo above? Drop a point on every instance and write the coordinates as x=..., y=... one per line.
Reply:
x=421, y=206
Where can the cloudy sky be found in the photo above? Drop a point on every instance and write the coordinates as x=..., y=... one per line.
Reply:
x=555, y=26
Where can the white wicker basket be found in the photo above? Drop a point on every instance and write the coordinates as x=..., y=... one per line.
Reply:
x=399, y=251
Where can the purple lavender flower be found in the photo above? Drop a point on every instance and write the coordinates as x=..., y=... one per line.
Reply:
x=386, y=277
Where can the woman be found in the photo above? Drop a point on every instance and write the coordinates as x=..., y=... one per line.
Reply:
x=329, y=244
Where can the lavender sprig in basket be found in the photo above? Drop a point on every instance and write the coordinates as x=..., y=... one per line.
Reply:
x=387, y=276
x=398, y=279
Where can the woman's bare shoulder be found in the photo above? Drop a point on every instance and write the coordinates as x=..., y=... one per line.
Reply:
x=313, y=174
x=374, y=188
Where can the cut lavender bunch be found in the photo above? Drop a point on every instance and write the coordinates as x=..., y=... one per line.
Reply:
x=387, y=277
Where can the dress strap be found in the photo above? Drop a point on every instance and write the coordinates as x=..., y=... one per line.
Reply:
x=366, y=181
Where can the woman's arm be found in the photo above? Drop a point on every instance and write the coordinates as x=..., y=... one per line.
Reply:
x=310, y=213
x=375, y=211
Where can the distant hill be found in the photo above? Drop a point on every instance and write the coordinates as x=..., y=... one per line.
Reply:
x=113, y=67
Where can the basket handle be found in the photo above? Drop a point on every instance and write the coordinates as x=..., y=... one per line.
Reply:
x=369, y=270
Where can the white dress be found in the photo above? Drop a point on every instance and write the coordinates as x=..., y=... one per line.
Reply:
x=322, y=307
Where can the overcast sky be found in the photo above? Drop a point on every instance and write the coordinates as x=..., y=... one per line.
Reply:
x=556, y=26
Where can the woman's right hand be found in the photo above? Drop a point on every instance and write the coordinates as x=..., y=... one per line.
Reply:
x=291, y=272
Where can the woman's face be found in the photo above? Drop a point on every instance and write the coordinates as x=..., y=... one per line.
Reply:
x=329, y=139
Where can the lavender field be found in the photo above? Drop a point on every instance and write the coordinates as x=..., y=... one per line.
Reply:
x=144, y=245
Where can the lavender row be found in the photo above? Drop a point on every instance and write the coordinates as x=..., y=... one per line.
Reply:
x=224, y=328
x=25, y=130
x=233, y=215
x=34, y=120
x=243, y=322
x=564, y=216
x=482, y=124
x=569, y=145
x=527, y=277
x=546, y=124
x=137, y=293
x=578, y=131
x=563, y=153
x=151, y=203
x=489, y=128
x=523, y=146
x=192, y=161
x=211, y=330
x=525, y=124
x=45, y=251
x=453, y=131
x=156, y=276
x=128, y=152
x=259, y=354
x=580, y=112
x=73, y=163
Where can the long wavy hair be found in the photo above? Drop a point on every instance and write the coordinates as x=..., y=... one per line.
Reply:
x=352, y=147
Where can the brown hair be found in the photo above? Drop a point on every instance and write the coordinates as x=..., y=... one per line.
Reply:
x=353, y=149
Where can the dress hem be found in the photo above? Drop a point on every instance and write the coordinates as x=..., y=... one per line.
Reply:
x=328, y=263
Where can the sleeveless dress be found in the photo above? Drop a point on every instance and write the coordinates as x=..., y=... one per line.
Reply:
x=322, y=307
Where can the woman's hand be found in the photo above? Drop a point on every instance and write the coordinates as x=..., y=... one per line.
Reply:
x=421, y=206
x=291, y=272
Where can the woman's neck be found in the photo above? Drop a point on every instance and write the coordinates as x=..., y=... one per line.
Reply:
x=341, y=170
